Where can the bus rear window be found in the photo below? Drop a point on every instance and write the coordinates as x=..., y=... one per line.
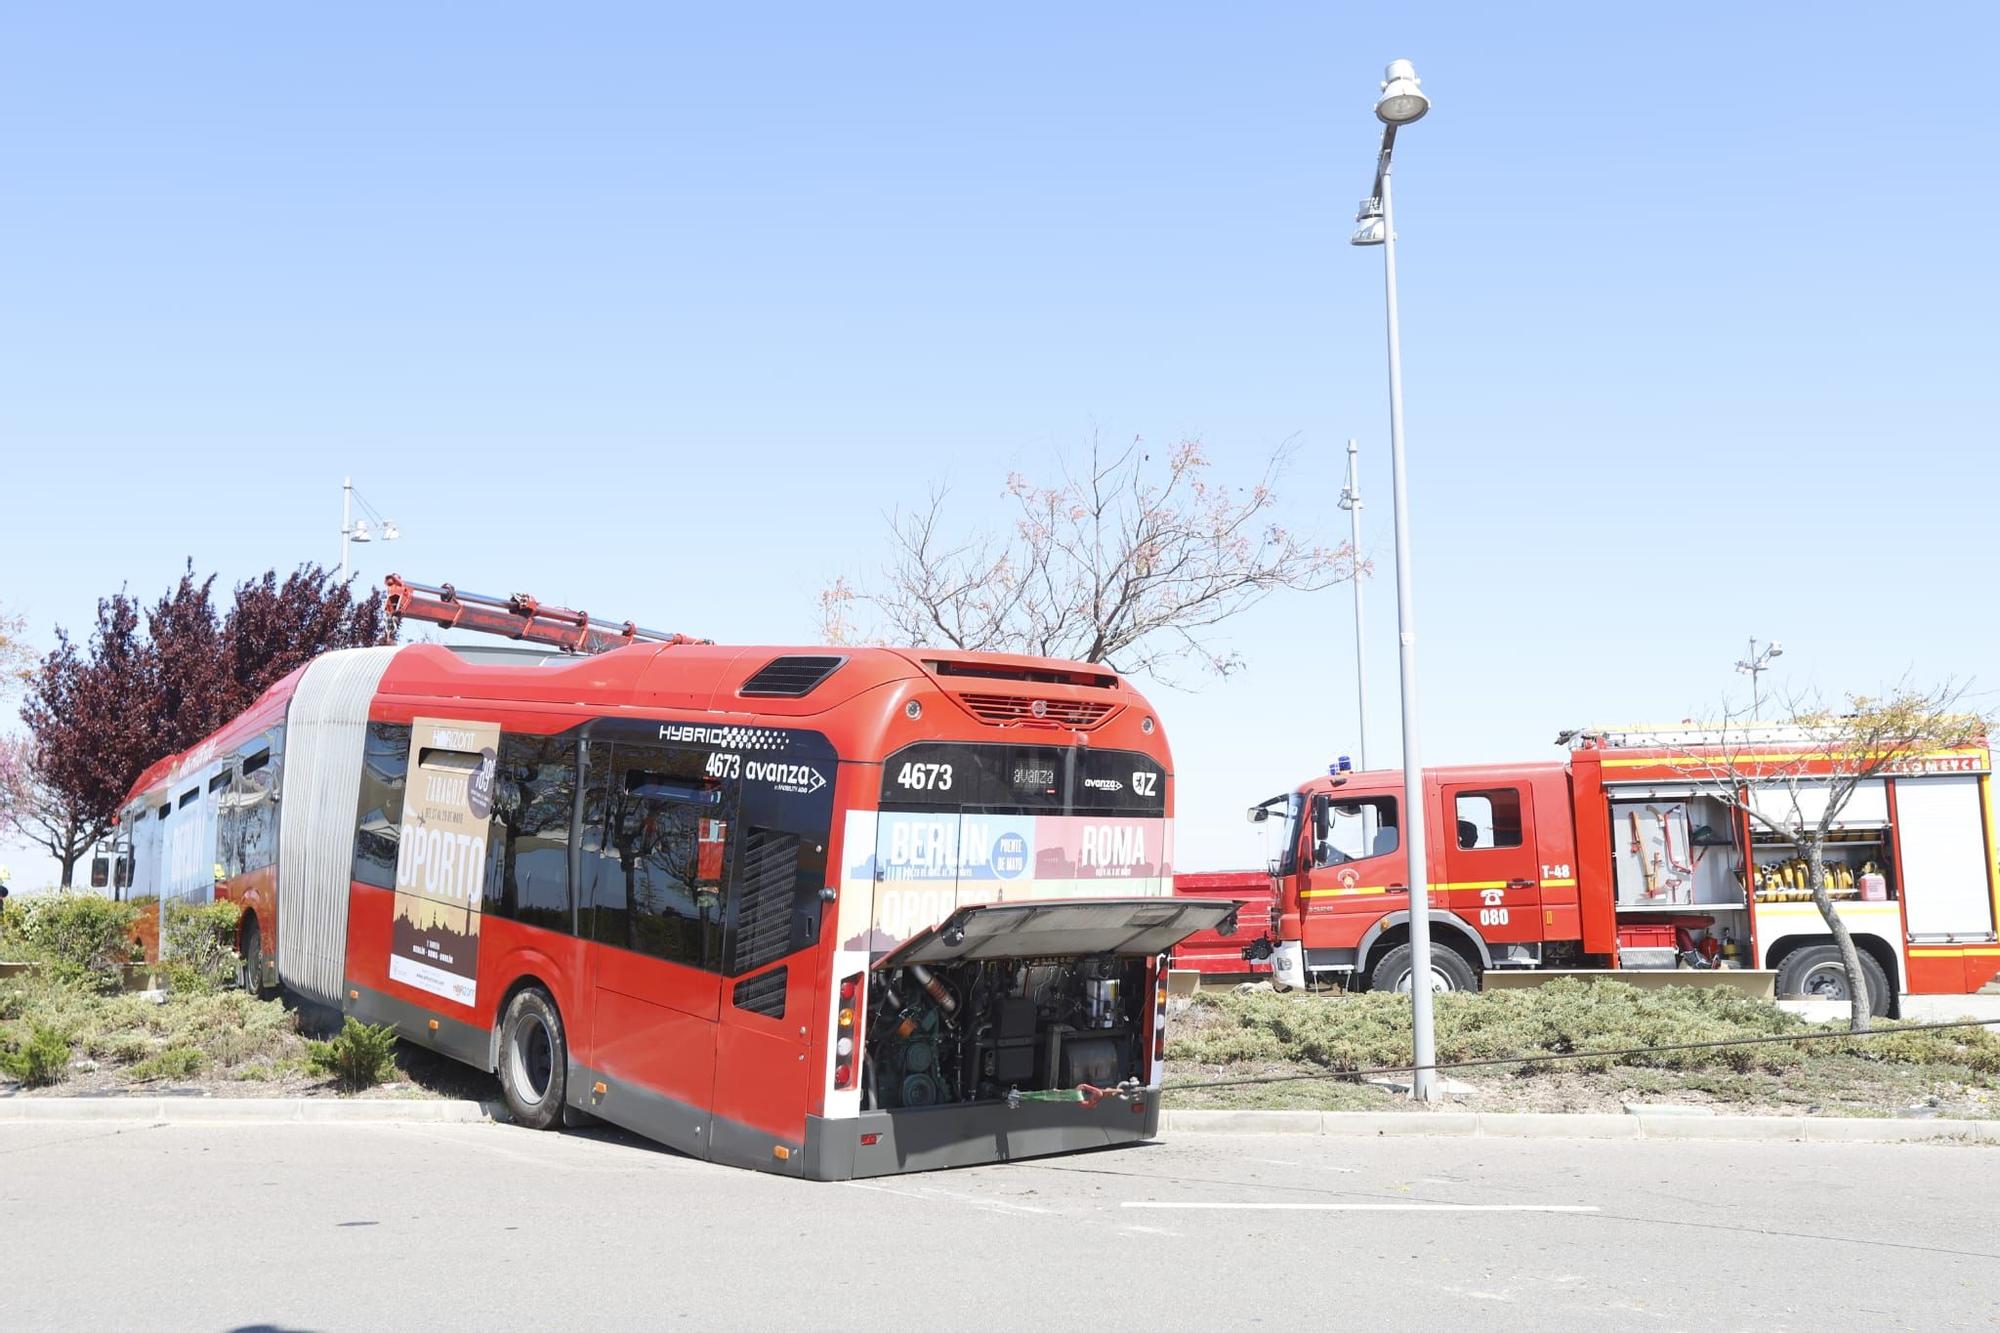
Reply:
x=1027, y=779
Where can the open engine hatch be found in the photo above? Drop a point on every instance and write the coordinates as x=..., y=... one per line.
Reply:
x=1126, y=927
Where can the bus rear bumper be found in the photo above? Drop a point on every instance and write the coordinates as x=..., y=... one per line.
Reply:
x=934, y=1138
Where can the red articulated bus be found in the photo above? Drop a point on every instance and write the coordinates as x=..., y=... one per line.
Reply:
x=824, y=912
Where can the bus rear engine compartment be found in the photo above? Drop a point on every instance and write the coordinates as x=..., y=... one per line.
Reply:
x=976, y=1031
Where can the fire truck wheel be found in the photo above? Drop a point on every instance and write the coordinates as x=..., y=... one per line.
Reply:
x=534, y=1060
x=1449, y=970
x=1816, y=973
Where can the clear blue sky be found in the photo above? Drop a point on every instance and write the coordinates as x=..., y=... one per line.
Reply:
x=659, y=308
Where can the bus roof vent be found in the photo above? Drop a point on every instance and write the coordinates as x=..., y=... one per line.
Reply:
x=791, y=677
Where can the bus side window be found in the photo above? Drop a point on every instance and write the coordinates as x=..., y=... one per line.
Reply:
x=654, y=864
x=534, y=795
x=385, y=764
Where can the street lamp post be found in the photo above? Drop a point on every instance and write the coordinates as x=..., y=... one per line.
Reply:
x=1754, y=666
x=1350, y=500
x=1402, y=103
x=356, y=529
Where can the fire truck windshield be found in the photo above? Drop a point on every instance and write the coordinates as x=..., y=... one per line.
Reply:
x=1287, y=860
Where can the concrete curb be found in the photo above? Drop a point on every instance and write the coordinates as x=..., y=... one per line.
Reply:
x=1530, y=1125
x=194, y=1110
x=1380, y=1124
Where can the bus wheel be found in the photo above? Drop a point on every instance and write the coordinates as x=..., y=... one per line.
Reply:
x=1449, y=970
x=534, y=1060
x=253, y=957
x=1816, y=973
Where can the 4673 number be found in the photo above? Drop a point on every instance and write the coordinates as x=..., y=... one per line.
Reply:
x=924, y=777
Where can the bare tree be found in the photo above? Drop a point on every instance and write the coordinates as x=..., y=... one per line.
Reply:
x=1795, y=779
x=41, y=812
x=1125, y=561
x=17, y=659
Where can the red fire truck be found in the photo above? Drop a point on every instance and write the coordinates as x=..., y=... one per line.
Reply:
x=825, y=912
x=1625, y=856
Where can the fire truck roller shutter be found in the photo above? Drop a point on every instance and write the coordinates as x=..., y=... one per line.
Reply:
x=324, y=729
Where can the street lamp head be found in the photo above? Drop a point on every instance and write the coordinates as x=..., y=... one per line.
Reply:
x=389, y=530
x=1775, y=650
x=1372, y=231
x=1402, y=100
x=360, y=533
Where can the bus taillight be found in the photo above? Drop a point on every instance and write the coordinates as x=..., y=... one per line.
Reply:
x=844, y=1026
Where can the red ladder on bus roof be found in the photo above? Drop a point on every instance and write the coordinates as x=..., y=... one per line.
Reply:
x=516, y=617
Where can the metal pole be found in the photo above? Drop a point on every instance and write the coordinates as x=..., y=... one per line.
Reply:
x=346, y=499
x=1350, y=500
x=1423, y=1035
x=1756, y=671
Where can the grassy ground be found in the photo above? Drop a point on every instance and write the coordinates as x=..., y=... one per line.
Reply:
x=222, y=1044
x=1262, y=1034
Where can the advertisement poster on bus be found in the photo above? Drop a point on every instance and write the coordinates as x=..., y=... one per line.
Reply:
x=441, y=858
x=905, y=871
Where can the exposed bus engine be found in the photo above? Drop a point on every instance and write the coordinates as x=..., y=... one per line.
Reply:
x=976, y=1031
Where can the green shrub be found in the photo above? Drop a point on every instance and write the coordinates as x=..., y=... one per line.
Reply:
x=1567, y=1015
x=39, y=1063
x=199, y=949
x=174, y=1062
x=358, y=1057
x=77, y=935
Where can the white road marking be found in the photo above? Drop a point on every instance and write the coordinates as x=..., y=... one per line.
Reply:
x=1371, y=1207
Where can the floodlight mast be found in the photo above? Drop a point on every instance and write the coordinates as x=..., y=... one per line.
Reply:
x=1403, y=102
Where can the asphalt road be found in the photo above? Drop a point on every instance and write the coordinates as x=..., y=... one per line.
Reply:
x=299, y=1226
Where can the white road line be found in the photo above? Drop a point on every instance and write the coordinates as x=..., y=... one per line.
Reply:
x=1374, y=1207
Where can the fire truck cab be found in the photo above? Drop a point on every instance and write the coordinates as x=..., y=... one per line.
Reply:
x=1627, y=856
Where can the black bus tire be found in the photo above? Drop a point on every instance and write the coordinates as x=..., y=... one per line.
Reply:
x=1816, y=973
x=1448, y=966
x=253, y=957
x=534, y=1060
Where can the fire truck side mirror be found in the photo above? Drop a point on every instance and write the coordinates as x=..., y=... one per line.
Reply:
x=1257, y=814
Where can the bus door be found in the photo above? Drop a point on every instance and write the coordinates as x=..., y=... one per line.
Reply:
x=770, y=993
x=650, y=899
x=772, y=857
x=1491, y=867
